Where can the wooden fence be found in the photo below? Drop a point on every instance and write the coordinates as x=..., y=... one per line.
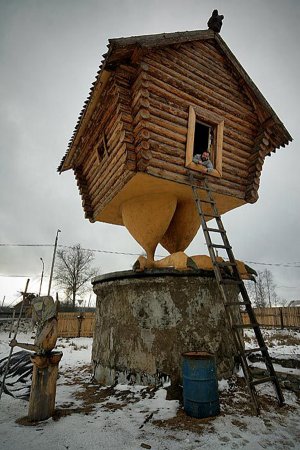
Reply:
x=75, y=324
x=282, y=317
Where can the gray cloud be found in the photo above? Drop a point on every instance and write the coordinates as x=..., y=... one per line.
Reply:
x=49, y=55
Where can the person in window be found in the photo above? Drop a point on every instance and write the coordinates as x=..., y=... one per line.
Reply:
x=203, y=160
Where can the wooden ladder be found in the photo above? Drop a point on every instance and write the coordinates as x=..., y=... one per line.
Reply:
x=219, y=270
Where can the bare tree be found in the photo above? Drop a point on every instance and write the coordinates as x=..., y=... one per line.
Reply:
x=74, y=270
x=263, y=292
x=269, y=286
x=260, y=291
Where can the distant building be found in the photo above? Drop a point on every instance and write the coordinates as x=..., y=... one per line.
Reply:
x=294, y=303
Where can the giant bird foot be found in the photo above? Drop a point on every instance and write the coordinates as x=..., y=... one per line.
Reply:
x=180, y=261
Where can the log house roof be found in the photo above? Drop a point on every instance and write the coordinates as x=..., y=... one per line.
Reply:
x=130, y=50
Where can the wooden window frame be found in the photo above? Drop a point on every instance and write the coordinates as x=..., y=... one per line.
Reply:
x=197, y=114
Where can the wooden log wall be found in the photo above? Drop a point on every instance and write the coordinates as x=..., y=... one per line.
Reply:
x=100, y=178
x=169, y=81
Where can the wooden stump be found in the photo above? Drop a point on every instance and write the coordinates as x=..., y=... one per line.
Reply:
x=43, y=387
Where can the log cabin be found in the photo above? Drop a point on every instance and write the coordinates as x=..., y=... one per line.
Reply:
x=156, y=102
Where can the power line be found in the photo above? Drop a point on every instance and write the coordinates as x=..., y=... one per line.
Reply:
x=70, y=246
x=26, y=245
x=288, y=264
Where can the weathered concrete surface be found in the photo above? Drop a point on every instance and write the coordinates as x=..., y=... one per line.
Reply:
x=145, y=322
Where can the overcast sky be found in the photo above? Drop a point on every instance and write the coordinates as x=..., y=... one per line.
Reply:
x=50, y=52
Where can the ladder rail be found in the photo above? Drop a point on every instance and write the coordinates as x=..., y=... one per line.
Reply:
x=250, y=382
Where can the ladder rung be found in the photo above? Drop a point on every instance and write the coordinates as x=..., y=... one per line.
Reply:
x=236, y=280
x=262, y=380
x=228, y=281
x=210, y=215
x=220, y=246
x=215, y=230
x=254, y=350
x=236, y=304
x=204, y=188
x=211, y=202
x=225, y=264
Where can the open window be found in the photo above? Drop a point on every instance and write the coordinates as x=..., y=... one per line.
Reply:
x=205, y=133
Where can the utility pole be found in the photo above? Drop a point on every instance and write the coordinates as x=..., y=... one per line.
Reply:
x=53, y=259
x=41, y=277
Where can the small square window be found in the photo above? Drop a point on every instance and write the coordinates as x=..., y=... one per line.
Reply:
x=100, y=152
x=101, y=149
x=205, y=133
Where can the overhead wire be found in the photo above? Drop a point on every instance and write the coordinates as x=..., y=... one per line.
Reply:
x=295, y=264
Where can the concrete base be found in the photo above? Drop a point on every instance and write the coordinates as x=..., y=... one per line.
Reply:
x=145, y=321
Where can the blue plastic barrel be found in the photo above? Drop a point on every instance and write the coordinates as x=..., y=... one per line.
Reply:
x=200, y=385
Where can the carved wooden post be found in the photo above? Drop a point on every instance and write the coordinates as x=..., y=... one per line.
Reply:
x=43, y=388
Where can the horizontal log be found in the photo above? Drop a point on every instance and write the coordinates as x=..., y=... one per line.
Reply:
x=103, y=183
x=140, y=82
x=162, y=139
x=240, y=137
x=185, y=85
x=122, y=179
x=108, y=189
x=161, y=114
x=164, y=72
x=167, y=157
x=230, y=151
x=210, y=50
x=238, y=181
x=141, y=135
x=115, y=126
x=170, y=167
x=92, y=162
x=166, y=175
x=231, y=160
x=95, y=130
x=163, y=147
x=230, y=166
x=176, y=96
x=160, y=103
x=169, y=125
x=139, y=95
x=143, y=114
x=204, y=60
x=240, y=148
x=164, y=131
x=117, y=136
x=109, y=161
x=228, y=188
x=144, y=154
x=143, y=145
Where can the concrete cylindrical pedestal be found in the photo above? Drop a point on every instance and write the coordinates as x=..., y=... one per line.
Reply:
x=145, y=321
x=43, y=387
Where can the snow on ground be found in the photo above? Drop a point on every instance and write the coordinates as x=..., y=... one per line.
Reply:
x=89, y=416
